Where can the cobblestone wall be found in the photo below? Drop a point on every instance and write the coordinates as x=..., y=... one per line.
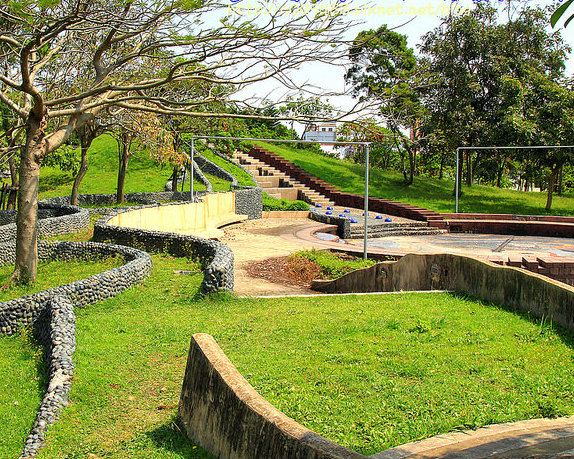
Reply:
x=53, y=220
x=216, y=258
x=26, y=310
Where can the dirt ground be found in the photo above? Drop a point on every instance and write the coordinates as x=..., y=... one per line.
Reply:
x=260, y=248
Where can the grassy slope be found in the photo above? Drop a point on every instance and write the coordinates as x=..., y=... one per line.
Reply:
x=425, y=192
x=143, y=173
x=368, y=372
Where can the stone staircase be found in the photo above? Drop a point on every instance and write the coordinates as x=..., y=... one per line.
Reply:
x=386, y=229
x=278, y=184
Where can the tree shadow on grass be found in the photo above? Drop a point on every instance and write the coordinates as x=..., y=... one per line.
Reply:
x=171, y=437
x=544, y=324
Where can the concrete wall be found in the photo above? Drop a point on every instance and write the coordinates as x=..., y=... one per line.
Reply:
x=222, y=412
x=182, y=218
x=514, y=287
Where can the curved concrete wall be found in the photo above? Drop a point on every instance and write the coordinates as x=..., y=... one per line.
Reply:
x=222, y=412
x=196, y=218
x=522, y=290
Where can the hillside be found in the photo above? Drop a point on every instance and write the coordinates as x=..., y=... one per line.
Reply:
x=426, y=192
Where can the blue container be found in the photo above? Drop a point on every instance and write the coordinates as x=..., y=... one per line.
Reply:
x=379, y=217
x=347, y=211
x=329, y=212
x=318, y=205
x=388, y=219
x=354, y=220
x=329, y=207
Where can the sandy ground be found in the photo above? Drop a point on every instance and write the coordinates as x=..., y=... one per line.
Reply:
x=257, y=240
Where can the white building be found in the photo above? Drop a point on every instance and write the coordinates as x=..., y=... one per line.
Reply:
x=321, y=132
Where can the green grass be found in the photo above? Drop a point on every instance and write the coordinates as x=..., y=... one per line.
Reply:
x=143, y=173
x=425, y=192
x=333, y=265
x=54, y=273
x=243, y=178
x=368, y=372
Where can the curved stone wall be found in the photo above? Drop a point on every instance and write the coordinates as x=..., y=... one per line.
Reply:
x=53, y=220
x=222, y=412
x=216, y=258
x=59, y=338
x=26, y=310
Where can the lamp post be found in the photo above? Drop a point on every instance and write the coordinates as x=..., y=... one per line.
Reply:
x=366, y=201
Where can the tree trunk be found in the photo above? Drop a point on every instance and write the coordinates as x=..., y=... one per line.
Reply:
x=11, y=204
x=80, y=175
x=412, y=165
x=27, y=220
x=551, y=182
x=499, y=173
x=441, y=170
x=560, y=179
x=469, y=169
x=174, y=178
x=124, y=157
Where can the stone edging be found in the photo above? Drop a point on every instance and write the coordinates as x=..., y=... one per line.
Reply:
x=210, y=167
x=51, y=313
x=216, y=258
x=222, y=412
x=26, y=310
x=60, y=346
x=57, y=219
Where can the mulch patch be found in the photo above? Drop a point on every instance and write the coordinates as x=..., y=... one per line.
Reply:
x=286, y=270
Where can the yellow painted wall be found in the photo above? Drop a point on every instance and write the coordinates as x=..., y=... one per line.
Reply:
x=200, y=218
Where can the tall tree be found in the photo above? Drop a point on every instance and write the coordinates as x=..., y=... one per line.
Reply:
x=385, y=68
x=73, y=59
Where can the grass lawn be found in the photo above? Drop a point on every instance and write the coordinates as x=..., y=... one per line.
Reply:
x=429, y=193
x=143, y=174
x=369, y=372
x=54, y=273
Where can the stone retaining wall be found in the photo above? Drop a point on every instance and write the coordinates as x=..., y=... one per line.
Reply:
x=58, y=335
x=216, y=258
x=26, y=310
x=343, y=223
x=517, y=288
x=222, y=412
x=248, y=201
x=53, y=220
x=211, y=168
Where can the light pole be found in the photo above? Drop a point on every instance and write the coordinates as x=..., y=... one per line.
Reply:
x=191, y=171
x=366, y=206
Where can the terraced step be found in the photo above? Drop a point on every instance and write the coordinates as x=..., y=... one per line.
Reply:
x=279, y=185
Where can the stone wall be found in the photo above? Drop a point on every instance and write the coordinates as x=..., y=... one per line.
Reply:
x=216, y=258
x=58, y=334
x=53, y=220
x=211, y=168
x=26, y=310
x=222, y=412
x=249, y=201
x=343, y=224
x=517, y=288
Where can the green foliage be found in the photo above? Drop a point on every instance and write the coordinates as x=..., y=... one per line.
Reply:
x=66, y=158
x=270, y=203
x=334, y=265
x=143, y=174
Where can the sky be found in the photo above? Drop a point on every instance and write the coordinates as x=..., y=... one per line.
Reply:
x=412, y=18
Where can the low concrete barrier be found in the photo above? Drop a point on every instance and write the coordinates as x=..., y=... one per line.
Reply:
x=514, y=287
x=222, y=412
x=195, y=218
